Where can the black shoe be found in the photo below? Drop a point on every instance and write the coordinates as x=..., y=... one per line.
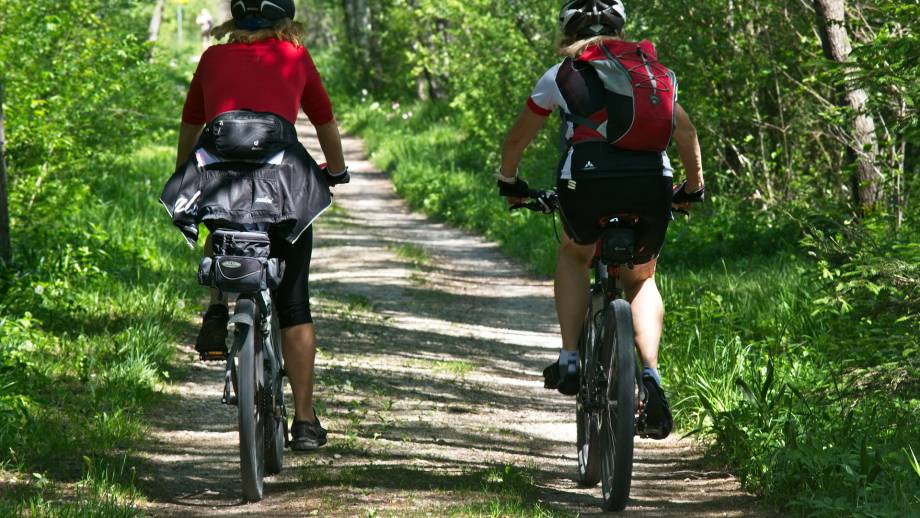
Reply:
x=565, y=382
x=307, y=436
x=656, y=421
x=212, y=338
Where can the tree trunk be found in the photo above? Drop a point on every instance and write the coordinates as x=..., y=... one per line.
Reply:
x=5, y=248
x=156, y=20
x=358, y=23
x=358, y=20
x=867, y=180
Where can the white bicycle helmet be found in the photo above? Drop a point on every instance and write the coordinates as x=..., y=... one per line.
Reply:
x=589, y=18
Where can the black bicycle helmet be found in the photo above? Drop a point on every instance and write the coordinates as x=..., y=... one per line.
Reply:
x=589, y=18
x=258, y=14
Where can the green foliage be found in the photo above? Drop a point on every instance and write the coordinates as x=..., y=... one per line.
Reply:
x=94, y=298
x=101, y=492
x=78, y=73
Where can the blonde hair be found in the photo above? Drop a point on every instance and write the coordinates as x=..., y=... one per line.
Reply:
x=284, y=30
x=573, y=47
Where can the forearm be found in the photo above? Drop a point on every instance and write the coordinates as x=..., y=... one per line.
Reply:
x=512, y=151
x=331, y=142
x=688, y=147
x=525, y=129
x=188, y=138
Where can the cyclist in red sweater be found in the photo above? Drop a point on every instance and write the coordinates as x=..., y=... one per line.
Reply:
x=265, y=68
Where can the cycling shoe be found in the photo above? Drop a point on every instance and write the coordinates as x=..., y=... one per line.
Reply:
x=307, y=436
x=563, y=378
x=656, y=421
x=212, y=338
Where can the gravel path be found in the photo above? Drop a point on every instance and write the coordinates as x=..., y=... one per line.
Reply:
x=431, y=348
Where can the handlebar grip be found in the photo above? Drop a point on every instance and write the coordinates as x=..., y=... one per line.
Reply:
x=680, y=195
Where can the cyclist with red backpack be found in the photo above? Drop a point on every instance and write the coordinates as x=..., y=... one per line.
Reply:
x=620, y=112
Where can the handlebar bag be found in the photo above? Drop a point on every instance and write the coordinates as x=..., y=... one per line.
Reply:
x=241, y=263
x=248, y=135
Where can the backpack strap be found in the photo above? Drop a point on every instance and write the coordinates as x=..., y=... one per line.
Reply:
x=581, y=121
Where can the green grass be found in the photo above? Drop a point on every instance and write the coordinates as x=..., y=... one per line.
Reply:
x=92, y=308
x=105, y=490
x=350, y=305
x=456, y=368
x=413, y=254
x=811, y=400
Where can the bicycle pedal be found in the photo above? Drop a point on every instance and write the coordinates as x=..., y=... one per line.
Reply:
x=231, y=401
x=213, y=356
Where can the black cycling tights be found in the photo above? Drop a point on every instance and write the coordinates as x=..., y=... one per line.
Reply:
x=292, y=298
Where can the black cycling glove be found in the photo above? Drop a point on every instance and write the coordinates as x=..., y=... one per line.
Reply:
x=336, y=179
x=682, y=196
x=518, y=189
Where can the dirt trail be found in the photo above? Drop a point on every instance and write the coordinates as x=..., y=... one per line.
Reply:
x=432, y=343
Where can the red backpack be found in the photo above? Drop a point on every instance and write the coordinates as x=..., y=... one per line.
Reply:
x=640, y=96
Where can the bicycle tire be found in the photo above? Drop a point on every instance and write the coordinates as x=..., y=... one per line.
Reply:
x=251, y=425
x=619, y=418
x=587, y=423
x=275, y=425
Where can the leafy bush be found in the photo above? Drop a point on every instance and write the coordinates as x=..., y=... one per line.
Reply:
x=92, y=302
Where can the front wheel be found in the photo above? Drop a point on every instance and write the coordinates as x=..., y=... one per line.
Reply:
x=586, y=418
x=618, y=424
x=250, y=377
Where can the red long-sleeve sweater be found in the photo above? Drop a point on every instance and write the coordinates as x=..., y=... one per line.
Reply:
x=267, y=76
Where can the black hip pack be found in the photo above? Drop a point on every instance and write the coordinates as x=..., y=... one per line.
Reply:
x=241, y=263
x=248, y=135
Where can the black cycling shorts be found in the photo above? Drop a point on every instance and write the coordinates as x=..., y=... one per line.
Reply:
x=292, y=298
x=647, y=195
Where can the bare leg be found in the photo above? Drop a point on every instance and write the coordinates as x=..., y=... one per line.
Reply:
x=572, y=281
x=299, y=356
x=647, y=309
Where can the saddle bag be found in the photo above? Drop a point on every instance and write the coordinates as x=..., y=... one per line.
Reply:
x=241, y=263
x=248, y=135
x=618, y=245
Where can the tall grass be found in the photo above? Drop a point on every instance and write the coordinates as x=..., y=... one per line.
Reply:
x=91, y=311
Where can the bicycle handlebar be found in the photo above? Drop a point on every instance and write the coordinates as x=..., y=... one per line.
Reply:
x=546, y=202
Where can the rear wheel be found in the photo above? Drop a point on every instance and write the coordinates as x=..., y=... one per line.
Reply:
x=250, y=378
x=275, y=421
x=618, y=420
x=587, y=420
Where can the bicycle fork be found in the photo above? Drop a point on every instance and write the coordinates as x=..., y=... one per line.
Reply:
x=239, y=318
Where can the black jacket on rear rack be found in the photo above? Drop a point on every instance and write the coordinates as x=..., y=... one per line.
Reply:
x=287, y=192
